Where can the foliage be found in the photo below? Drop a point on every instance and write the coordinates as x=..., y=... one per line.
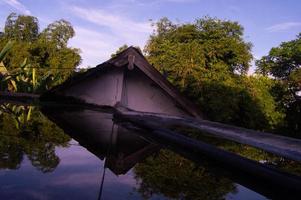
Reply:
x=208, y=61
x=122, y=48
x=23, y=28
x=25, y=131
x=176, y=177
x=24, y=78
x=243, y=101
x=5, y=81
x=283, y=60
x=119, y=50
x=284, y=64
x=209, y=43
x=60, y=32
x=46, y=51
x=243, y=150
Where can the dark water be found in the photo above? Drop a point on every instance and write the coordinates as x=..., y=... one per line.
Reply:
x=48, y=153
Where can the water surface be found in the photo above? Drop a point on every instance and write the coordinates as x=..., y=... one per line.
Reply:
x=48, y=153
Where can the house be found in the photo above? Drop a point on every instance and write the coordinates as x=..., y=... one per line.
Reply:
x=127, y=80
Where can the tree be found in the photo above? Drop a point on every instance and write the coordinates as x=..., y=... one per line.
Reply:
x=26, y=131
x=211, y=43
x=208, y=60
x=59, y=32
x=45, y=51
x=175, y=177
x=283, y=60
x=283, y=63
x=21, y=27
x=122, y=48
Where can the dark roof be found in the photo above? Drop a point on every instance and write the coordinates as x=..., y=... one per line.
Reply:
x=133, y=57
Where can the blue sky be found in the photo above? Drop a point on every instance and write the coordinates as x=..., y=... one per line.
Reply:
x=102, y=26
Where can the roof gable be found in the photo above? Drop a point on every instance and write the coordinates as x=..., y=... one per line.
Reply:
x=131, y=58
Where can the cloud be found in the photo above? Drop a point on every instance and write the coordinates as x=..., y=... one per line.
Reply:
x=283, y=26
x=147, y=2
x=18, y=6
x=181, y=1
x=96, y=47
x=87, y=179
x=113, y=21
x=234, y=9
x=112, y=30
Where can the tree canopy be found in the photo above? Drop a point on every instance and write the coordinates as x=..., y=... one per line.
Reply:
x=208, y=44
x=175, y=177
x=283, y=63
x=208, y=61
x=122, y=48
x=47, y=51
x=59, y=32
x=21, y=27
x=26, y=131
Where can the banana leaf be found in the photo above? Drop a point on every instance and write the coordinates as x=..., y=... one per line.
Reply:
x=5, y=50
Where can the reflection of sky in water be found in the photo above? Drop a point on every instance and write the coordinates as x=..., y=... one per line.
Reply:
x=78, y=176
x=79, y=172
x=244, y=193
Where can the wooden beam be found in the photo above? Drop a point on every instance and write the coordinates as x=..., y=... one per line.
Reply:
x=279, y=145
x=280, y=183
x=19, y=98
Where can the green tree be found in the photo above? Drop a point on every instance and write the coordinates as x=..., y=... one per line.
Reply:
x=46, y=51
x=283, y=63
x=175, y=177
x=24, y=78
x=208, y=61
x=283, y=60
x=26, y=131
x=209, y=42
x=21, y=27
x=59, y=32
x=122, y=48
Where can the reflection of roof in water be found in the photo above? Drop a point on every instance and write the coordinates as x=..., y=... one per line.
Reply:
x=93, y=130
x=98, y=134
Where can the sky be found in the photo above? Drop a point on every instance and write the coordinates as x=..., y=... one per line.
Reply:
x=102, y=26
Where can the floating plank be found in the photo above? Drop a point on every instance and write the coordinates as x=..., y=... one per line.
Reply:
x=280, y=183
x=20, y=98
x=279, y=145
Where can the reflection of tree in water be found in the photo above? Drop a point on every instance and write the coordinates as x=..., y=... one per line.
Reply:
x=246, y=151
x=176, y=177
x=25, y=131
x=43, y=157
x=11, y=153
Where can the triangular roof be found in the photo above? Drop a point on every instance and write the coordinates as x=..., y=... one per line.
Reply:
x=132, y=57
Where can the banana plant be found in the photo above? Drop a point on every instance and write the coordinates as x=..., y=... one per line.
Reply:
x=25, y=77
x=22, y=79
x=4, y=73
x=20, y=114
x=5, y=50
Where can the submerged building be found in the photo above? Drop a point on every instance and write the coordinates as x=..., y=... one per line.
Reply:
x=127, y=80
